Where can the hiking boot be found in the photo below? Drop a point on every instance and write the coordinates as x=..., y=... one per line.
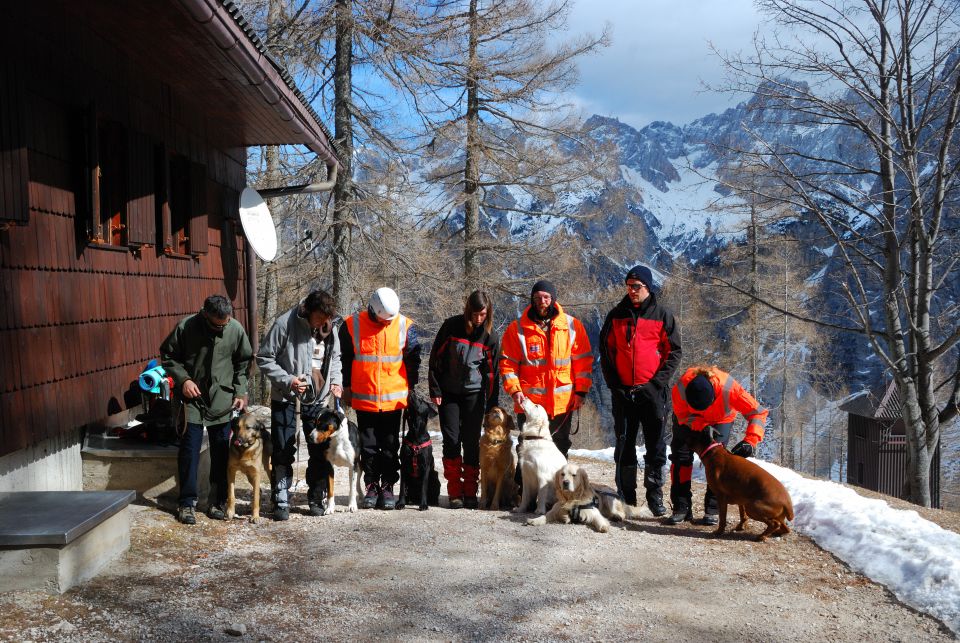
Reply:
x=187, y=516
x=281, y=513
x=679, y=516
x=371, y=497
x=315, y=509
x=456, y=503
x=470, y=502
x=387, y=499
x=709, y=520
x=216, y=513
x=655, y=503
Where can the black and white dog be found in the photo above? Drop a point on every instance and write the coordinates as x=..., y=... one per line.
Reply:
x=340, y=440
x=419, y=482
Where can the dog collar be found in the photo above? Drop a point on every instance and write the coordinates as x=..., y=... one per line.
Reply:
x=496, y=441
x=709, y=448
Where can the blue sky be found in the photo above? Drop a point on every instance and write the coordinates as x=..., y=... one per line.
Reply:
x=659, y=56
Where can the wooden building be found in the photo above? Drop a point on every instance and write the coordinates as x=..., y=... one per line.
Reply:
x=123, y=135
x=877, y=444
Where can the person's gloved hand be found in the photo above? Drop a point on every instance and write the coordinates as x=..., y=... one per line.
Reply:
x=743, y=449
x=644, y=393
x=623, y=393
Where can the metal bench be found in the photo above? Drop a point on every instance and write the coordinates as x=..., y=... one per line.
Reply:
x=53, y=540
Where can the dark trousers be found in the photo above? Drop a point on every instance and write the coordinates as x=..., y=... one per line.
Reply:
x=283, y=436
x=188, y=461
x=380, y=446
x=681, y=455
x=628, y=417
x=461, y=417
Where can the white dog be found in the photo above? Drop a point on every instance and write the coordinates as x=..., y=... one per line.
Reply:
x=578, y=502
x=540, y=459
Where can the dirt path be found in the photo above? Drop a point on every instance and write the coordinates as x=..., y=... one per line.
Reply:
x=462, y=575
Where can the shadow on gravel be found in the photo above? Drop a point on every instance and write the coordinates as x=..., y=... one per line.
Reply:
x=685, y=531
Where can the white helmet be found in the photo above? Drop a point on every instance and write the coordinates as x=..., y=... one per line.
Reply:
x=385, y=304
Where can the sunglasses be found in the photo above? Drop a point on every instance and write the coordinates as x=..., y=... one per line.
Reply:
x=635, y=286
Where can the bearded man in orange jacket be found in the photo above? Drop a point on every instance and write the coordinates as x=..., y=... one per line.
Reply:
x=707, y=398
x=546, y=356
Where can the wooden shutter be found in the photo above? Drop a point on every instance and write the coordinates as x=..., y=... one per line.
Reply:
x=198, y=227
x=163, y=216
x=14, y=165
x=141, y=189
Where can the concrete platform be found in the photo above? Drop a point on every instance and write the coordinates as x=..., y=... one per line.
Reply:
x=150, y=469
x=53, y=540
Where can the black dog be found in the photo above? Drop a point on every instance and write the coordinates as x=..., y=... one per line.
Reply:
x=419, y=482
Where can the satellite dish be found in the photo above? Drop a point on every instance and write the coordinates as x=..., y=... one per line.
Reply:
x=258, y=224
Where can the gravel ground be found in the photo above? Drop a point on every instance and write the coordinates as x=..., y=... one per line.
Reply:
x=462, y=575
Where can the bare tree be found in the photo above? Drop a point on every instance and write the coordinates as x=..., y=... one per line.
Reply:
x=485, y=85
x=883, y=74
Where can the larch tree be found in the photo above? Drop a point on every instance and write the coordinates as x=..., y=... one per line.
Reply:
x=883, y=74
x=485, y=81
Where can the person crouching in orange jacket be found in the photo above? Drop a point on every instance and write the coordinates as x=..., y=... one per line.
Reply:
x=706, y=397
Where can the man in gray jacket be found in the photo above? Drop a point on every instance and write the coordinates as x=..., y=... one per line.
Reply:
x=300, y=355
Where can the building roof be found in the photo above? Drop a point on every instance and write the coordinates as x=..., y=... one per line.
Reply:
x=881, y=403
x=208, y=54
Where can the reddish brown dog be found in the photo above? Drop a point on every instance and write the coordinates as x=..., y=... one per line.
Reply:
x=737, y=481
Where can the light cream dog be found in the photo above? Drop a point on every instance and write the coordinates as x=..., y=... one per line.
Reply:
x=540, y=459
x=578, y=502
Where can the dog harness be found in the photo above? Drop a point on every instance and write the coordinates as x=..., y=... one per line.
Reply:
x=417, y=448
x=575, y=512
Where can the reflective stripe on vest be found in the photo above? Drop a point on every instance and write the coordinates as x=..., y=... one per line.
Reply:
x=725, y=395
x=377, y=358
x=386, y=397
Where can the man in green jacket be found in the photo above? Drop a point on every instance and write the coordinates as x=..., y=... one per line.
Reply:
x=208, y=355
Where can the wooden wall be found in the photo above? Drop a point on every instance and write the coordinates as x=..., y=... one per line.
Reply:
x=78, y=321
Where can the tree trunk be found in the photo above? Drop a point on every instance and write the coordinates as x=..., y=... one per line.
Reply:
x=343, y=135
x=471, y=174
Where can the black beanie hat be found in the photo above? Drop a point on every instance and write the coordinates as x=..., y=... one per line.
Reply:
x=544, y=286
x=700, y=393
x=643, y=274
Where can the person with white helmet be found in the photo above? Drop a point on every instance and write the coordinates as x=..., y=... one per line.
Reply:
x=381, y=364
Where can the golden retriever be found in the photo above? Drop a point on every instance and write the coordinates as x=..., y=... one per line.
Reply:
x=578, y=502
x=497, y=460
x=250, y=449
x=737, y=481
x=540, y=459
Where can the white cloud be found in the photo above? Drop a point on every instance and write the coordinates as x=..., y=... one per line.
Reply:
x=660, y=56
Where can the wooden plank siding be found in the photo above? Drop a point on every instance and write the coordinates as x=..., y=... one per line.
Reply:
x=14, y=175
x=78, y=322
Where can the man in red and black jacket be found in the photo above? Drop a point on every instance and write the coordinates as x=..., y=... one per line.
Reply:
x=639, y=353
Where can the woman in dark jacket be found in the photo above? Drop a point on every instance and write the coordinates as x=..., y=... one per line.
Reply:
x=465, y=383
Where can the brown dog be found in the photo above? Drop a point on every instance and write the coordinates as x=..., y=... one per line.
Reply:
x=735, y=480
x=498, y=460
x=250, y=448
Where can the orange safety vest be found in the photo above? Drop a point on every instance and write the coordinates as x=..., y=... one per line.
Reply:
x=378, y=375
x=549, y=370
x=731, y=397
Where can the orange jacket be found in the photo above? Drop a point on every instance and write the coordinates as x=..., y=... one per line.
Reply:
x=730, y=398
x=378, y=374
x=549, y=369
